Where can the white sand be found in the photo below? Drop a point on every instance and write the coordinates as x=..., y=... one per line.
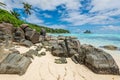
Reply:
x=44, y=68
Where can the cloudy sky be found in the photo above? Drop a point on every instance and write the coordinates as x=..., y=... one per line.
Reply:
x=99, y=16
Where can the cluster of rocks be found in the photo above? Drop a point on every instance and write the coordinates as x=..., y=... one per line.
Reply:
x=32, y=53
x=23, y=34
x=11, y=61
x=96, y=59
x=65, y=47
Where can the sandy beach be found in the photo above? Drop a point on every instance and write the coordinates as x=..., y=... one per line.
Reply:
x=59, y=40
x=44, y=68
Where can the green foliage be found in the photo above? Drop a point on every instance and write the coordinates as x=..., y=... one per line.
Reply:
x=49, y=30
x=6, y=16
x=16, y=14
x=27, y=8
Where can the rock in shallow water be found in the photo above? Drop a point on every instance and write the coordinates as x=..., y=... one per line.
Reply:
x=110, y=47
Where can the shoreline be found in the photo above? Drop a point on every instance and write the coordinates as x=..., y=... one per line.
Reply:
x=95, y=39
x=33, y=51
x=44, y=68
x=53, y=58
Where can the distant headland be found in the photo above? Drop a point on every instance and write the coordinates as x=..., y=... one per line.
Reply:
x=87, y=32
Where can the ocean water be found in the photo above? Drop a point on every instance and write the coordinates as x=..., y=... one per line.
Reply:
x=96, y=39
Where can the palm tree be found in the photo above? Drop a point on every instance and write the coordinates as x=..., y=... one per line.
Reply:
x=27, y=8
x=2, y=4
x=16, y=14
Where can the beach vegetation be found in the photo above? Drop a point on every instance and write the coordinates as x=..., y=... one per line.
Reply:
x=27, y=8
x=6, y=16
x=16, y=14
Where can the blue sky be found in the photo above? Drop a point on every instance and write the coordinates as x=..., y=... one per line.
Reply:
x=99, y=16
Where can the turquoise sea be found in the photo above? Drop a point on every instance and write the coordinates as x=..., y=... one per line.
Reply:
x=96, y=39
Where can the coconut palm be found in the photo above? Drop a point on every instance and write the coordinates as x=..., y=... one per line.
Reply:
x=2, y=4
x=16, y=14
x=27, y=8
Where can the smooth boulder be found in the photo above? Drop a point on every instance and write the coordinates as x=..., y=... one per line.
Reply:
x=26, y=43
x=7, y=28
x=14, y=63
x=97, y=60
x=66, y=48
x=32, y=35
x=18, y=35
x=110, y=47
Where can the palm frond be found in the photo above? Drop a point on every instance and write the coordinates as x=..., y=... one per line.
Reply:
x=2, y=4
x=27, y=8
x=16, y=14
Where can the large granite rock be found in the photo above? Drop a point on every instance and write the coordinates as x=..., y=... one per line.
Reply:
x=24, y=26
x=6, y=39
x=19, y=35
x=65, y=47
x=26, y=43
x=97, y=60
x=30, y=53
x=3, y=54
x=2, y=34
x=7, y=28
x=32, y=35
x=13, y=63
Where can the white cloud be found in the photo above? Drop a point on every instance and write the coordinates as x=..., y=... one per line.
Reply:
x=100, y=5
x=80, y=19
x=10, y=5
x=57, y=26
x=34, y=19
x=72, y=4
x=52, y=4
x=104, y=10
x=110, y=28
x=47, y=16
x=78, y=31
x=2, y=0
x=43, y=5
x=59, y=11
